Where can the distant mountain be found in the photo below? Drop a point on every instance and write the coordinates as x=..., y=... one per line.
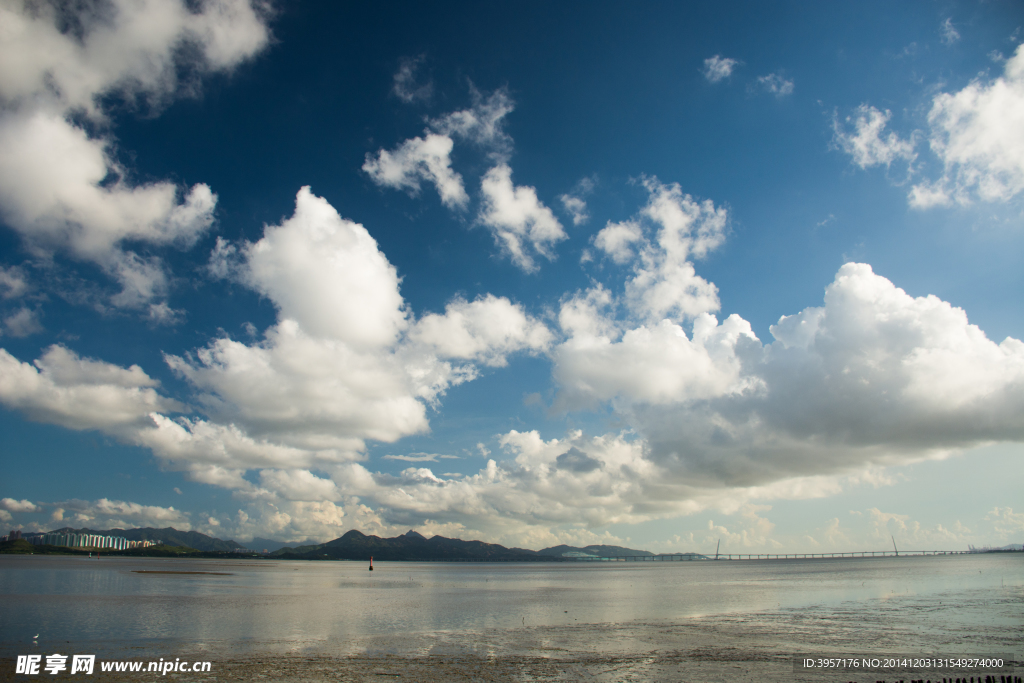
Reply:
x=594, y=550
x=261, y=544
x=168, y=536
x=356, y=545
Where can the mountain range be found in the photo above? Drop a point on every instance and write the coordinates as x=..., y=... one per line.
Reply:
x=355, y=545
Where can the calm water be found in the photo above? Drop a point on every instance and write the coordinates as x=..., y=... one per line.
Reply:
x=311, y=605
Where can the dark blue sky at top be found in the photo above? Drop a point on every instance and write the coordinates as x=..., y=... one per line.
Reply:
x=609, y=91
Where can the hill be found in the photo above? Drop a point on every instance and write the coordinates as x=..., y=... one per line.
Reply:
x=356, y=545
x=412, y=546
x=595, y=550
x=260, y=544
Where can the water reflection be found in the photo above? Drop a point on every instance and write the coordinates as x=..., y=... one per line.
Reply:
x=320, y=604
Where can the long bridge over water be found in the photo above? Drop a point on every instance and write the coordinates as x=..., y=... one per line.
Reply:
x=690, y=557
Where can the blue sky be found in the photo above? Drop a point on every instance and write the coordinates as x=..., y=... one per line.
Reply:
x=532, y=274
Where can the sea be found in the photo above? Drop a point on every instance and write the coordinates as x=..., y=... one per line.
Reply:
x=114, y=604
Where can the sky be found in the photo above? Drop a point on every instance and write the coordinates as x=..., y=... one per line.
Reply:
x=659, y=275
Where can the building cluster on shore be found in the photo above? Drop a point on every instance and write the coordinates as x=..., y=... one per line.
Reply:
x=83, y=541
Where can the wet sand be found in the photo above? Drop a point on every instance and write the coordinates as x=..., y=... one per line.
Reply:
x=732, y=648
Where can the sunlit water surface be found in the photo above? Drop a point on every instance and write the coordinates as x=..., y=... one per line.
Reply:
x=323, y=605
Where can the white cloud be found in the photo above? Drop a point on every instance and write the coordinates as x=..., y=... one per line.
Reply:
x=12, y=505
x=653, y=365
x=346, y=361
x=299, y=485
x=775, y=84
x=327, y=274
x=664, y=282
x=949, y=33
x=132, y=48
x=586, y=314
x=873, y=377
x=52, y=191
x=978, y=134
x=13, y=282
x=482, y=123
x=521, y=224
x=868, y=145
x=718, y=420
x=617, y=240
x=119, y=514
x=718, y=68
x=62, y=189
x=427, y=158
x=406, y=86
x=79, y=393
x=574, y=203
x=1007, y=523
x=421, y=457
x=484, y=331
x=576, y=207
x=22, y=323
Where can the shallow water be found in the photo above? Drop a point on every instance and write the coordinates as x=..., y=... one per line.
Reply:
x=322, y=606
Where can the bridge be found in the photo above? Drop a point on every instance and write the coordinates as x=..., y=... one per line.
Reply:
x=688, y=557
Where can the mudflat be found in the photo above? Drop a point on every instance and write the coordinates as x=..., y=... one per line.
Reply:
x=730, y=648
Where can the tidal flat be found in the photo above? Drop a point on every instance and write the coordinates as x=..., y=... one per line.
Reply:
x=334, y=621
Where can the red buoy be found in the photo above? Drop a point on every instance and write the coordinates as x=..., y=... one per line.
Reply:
x=371, y=563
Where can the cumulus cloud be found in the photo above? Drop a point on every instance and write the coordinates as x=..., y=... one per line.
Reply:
x=298, y=484
x=718, y=420
x=22, y=323
x=873, y=377
x=576, y=207
x=333, y=357
x=482, y=123
x=78, y=393
x=61, y=187
x=346, y=359
x=119, y=514
x=617, y=240
x=484, y=331
x=415, y=160
x=428, y=158
x=719, y=68
x=868, y=145
x=12, y=505
x=327, y=274
x=574, y=202
x=421, y=457
x=775, y=84
x=978, y=134
x=665, y=283
x=974, y=133
x=13, y=282
x=521, y=224
x=654, y=365
x=1007, y=523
